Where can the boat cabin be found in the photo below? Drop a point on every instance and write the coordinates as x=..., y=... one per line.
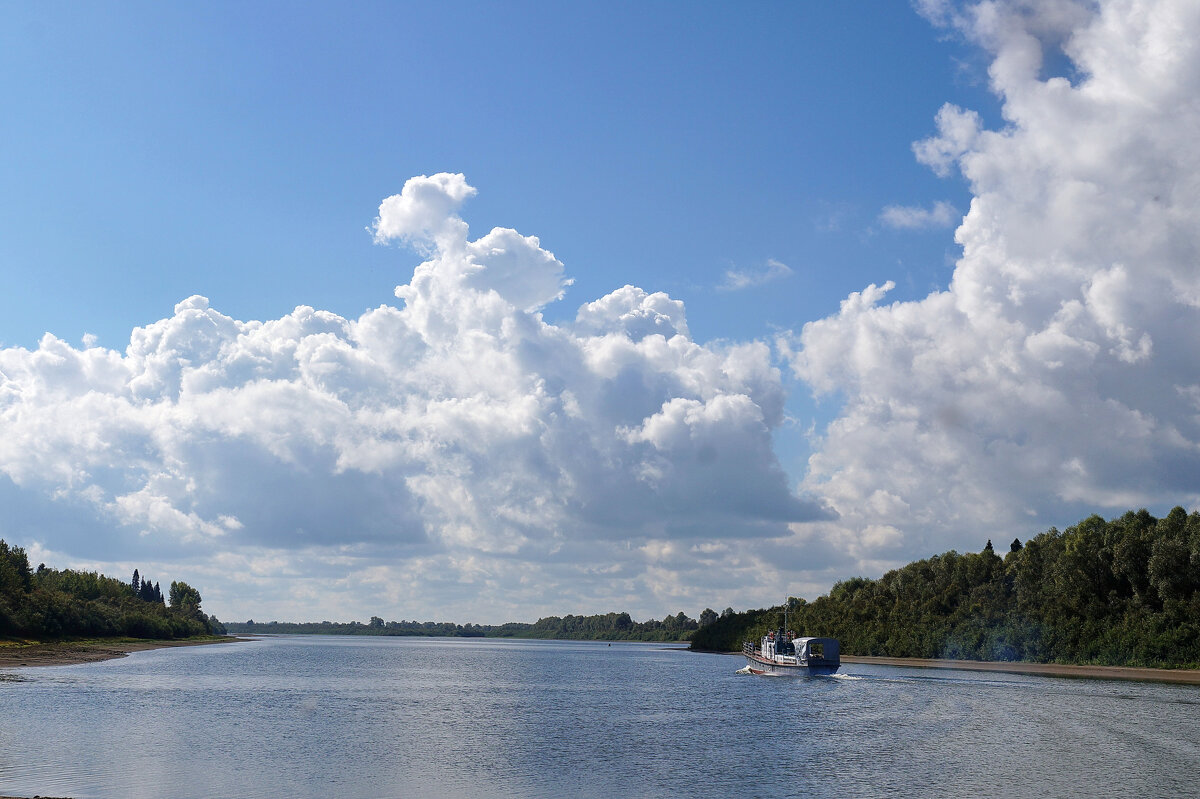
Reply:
x=817, y=649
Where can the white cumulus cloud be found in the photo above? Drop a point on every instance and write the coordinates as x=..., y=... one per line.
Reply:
x=1054, y=376
x=457, y=448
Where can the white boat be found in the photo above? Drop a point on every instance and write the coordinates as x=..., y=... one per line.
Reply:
x=781, y=652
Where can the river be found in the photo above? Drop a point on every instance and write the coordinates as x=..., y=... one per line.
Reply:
x=359, y=717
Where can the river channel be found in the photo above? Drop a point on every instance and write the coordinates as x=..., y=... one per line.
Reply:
x=358, y=717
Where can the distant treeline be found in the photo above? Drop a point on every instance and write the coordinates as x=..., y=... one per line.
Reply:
x=376, y=626
x=604, y=627
x=1122, y=592
x=51, y=603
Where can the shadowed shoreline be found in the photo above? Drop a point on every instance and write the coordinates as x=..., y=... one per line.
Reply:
x=1180, y=676
x=1083, y=672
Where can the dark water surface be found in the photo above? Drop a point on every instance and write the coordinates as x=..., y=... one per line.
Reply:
x=423, y=717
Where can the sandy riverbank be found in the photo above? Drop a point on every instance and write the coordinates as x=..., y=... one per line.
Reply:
x=1184, y=676
x=66, y=653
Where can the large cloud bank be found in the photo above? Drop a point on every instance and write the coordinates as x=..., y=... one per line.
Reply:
x=457, y=448
x=1060, y=371
x=458, y=455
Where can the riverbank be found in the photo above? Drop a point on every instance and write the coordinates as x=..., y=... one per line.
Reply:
x=16, y=654
x=1181, y=676
x=1177, y=676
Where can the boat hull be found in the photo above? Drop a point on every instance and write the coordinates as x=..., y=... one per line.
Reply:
x=759, y=665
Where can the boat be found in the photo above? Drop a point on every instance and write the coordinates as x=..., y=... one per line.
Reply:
x=781, y=652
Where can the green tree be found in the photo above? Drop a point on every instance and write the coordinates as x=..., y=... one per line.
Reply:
x=1132, y=541
x=184, y=597
x=15, y=584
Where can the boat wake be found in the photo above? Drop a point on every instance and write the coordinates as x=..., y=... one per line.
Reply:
x=846, y=677
x=744, y=670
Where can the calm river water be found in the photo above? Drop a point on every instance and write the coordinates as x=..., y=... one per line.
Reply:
x=422, y=717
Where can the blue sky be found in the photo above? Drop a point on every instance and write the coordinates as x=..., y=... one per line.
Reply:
x=241, y=152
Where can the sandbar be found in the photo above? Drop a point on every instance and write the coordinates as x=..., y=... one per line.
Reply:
x=69, y=653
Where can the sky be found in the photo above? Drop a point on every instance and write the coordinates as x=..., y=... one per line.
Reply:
x=486, y=312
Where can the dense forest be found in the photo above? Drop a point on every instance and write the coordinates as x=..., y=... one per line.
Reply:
x=603, y=627
x=48, y=604
x=1119, y=592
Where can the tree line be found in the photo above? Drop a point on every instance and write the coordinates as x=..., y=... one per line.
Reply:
x=1124, y=592
x=599, y=627
x=49, y=604
x=604, y=627
x=376, y=626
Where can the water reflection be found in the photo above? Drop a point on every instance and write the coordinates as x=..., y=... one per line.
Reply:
x=372, y=717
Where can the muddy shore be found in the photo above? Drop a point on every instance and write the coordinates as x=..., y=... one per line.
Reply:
x=68, y=653
x=1183, y=676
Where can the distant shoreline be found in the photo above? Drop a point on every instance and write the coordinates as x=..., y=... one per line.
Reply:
x=70, y=653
